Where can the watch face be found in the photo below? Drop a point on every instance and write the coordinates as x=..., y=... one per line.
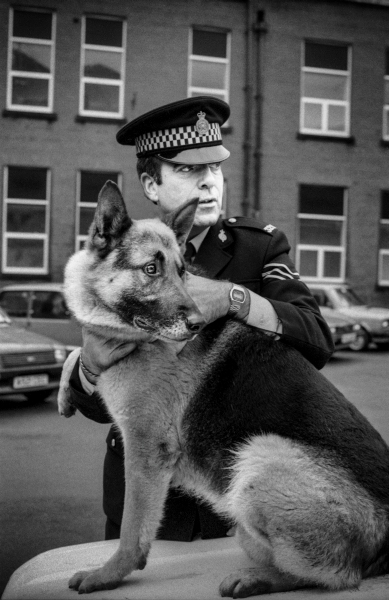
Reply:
x=238, y=295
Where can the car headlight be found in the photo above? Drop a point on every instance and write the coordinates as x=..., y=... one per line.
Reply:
x=333, y=330
x=60, y=354
x=385, y=324
x=357, y=327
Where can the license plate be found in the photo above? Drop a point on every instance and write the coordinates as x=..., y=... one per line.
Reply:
x=27, y=381
x=347, y=338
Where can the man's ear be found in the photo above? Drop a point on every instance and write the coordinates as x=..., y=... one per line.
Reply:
x=111, y=220
x=181, y=221
x=150, y=187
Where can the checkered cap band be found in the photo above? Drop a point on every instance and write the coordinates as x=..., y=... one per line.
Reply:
x=178, y=137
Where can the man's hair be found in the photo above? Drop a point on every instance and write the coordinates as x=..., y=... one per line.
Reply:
x=152, y=166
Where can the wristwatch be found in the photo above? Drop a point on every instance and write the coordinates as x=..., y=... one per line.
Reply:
x=238, y=295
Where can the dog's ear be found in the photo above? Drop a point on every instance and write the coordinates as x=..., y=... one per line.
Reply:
x=181, y=221
x=111, y=220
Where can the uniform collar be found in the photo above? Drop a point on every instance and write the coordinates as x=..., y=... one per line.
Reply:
x=213, y=253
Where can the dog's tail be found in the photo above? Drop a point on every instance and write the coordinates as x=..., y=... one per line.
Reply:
x=65, y=407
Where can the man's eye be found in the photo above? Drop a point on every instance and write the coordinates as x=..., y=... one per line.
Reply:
x=151, y=269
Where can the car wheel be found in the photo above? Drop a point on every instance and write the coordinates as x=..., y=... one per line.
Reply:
x=361, y=343
x=37, y=397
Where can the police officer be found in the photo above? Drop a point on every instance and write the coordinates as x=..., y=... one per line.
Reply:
x=248, y=276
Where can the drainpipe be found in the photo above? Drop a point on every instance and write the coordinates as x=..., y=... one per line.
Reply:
x=259, y=28
x=248, y=171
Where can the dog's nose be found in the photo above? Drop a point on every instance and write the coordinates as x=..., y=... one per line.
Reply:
x=195, y=323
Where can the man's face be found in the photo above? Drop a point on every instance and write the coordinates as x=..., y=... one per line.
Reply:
x=181, y=183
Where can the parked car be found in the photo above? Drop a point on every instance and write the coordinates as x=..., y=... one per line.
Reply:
x=341, y=297
x=345, y=332
x=30, y=363
x=41, y=308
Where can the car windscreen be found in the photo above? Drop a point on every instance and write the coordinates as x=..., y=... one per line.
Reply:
x=348, y=297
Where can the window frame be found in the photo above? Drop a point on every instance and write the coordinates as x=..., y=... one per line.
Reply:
x=50, y=77
x=326, y=103
x=45, y=237
x=385, y=108
x=120, y=83
x=224, y=93
x=321, y=249
x=382, y=252
x=80, y=238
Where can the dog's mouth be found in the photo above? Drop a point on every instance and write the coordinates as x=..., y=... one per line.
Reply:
x=145, y=326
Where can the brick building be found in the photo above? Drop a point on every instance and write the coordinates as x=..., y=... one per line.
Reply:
x=308, y=85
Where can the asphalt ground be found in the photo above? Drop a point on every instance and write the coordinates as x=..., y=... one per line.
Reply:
x=51, y=467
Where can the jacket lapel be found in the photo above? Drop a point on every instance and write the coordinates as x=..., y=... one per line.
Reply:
x=213, y=254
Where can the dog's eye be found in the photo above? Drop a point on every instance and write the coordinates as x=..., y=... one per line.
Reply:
x=151, y=269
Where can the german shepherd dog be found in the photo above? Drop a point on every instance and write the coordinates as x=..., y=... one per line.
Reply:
x=236, y=417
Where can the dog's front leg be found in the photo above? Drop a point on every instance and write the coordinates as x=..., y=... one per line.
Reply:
x=147, y=483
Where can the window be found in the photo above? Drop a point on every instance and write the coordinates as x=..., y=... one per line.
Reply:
x=102, y=67
x=322, y=233
x=383, y=254
x=31, y=61
x=89, y=185
x=385, y=133
x=325, y=93
x=209, y=63
x=26, y=220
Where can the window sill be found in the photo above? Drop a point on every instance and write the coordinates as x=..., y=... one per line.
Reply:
x=326, y=138
x=25, y=114
x=87, y=119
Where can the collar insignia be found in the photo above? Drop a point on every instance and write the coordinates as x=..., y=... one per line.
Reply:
x=269, y=228
x=202, y=126
x=222, y=235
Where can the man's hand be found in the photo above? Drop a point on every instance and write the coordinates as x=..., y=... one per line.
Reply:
x=98, y=353
x=212, y=297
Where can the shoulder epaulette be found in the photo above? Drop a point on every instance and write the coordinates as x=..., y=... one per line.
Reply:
x=250, y=223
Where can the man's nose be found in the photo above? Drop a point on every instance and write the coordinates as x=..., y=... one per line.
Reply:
x=207, y=179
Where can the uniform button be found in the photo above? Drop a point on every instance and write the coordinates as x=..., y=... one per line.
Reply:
x=232, y=220
x=113, y=442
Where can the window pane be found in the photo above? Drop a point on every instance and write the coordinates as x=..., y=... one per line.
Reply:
x=385, y=205
x=209, y=43
x=317, y=232
x=26, y=219
x=86, y=218
x=25, y=253
x=49, y=305
x=332, y=262
x=328, y=87
x=105, y=65
x=92, y=182
x=208, y=74
x=324, y=200
x=384, y=236
x=31, y=57
x=336, y=118
x=27, y=183
x=312, y=116
x=308, y=263
x=32, y=24
x=385, y=267
x=15, y=303
x=387, y=61
x=27, y=91
x=386, y=89
x=104, y=32
x=326, y=56
x=101, y=98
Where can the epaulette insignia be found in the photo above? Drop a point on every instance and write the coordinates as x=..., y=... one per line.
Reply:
x=269, y=228
x=222, y=235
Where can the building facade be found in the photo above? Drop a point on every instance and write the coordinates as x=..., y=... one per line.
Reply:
x=308, y=85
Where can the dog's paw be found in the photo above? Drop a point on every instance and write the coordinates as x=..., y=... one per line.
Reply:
x=86, y=582
x=244, y=583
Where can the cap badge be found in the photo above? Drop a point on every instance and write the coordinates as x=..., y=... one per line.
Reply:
x=222, y=235
x=202, y=126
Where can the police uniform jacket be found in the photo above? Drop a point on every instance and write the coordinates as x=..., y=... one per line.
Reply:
x=256, y=255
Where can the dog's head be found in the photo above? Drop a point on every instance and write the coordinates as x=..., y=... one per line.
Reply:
x=134, y=273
